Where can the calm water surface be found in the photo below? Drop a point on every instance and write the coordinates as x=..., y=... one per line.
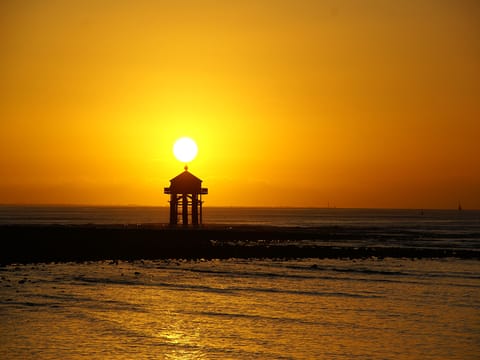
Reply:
x=466, y=219
x=239, y=309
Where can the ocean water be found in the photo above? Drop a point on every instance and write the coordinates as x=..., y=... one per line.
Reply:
x=248, y=309
x=242, y=309
x=305, y=217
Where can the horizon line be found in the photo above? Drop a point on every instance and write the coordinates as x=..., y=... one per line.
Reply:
x=238, y=206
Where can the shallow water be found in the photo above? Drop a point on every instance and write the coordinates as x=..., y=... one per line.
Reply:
x=242, y=309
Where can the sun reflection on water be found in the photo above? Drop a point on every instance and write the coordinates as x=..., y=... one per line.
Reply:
x=183, y=344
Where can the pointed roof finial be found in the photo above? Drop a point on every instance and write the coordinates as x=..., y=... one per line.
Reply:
x=186, y=167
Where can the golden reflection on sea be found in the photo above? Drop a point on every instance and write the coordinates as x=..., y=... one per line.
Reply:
x=240, y=309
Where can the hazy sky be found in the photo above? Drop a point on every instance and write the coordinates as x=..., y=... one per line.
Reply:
x=292, y=103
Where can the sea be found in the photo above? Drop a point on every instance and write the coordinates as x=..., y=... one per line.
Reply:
x=373, y=308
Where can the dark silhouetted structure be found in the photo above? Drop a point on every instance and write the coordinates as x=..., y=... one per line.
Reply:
x=186, y=198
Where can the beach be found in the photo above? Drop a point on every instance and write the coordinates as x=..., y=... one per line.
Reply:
x=57, y=243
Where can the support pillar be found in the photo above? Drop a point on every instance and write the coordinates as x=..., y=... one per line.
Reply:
x=173, y=209
x=184, y=209
x=201, y=211
x=195, y=209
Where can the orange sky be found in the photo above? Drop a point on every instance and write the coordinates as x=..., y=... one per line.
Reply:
x=292, y=103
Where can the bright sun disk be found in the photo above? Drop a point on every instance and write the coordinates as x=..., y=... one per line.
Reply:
x=185, y=149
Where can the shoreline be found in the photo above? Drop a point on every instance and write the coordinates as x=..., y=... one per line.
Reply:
x=89, y=242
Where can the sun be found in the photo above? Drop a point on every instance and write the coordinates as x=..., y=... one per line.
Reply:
x=185, y=149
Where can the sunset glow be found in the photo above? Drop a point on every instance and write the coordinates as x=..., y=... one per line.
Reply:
x=295, y=103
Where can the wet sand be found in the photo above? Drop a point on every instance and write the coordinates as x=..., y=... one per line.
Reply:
x=63, y=243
